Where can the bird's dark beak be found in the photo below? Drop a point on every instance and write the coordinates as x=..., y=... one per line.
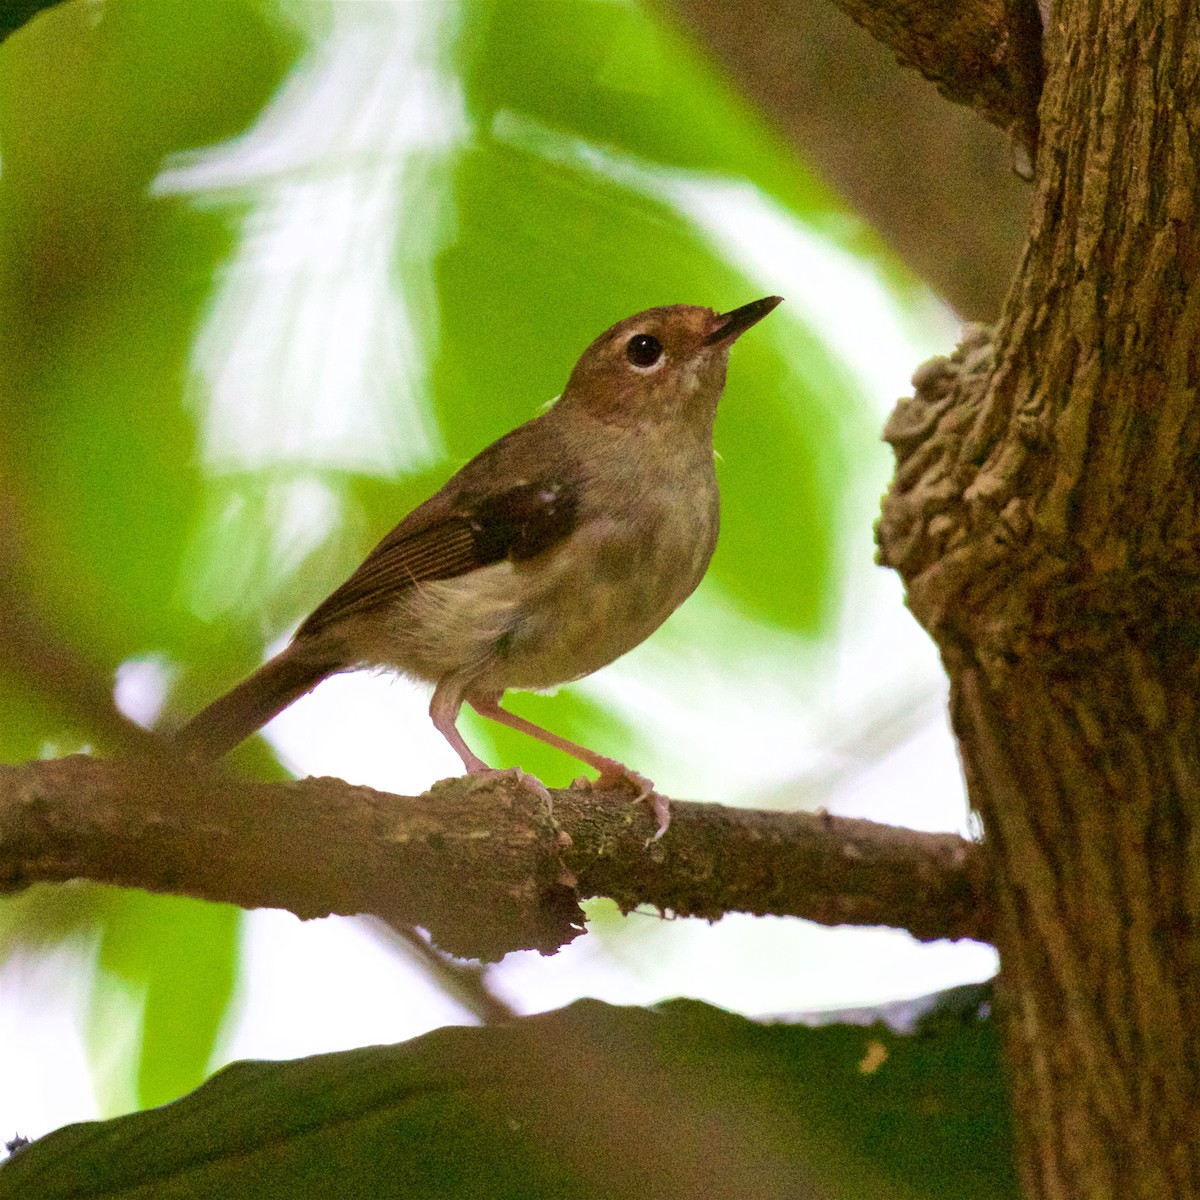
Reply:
x=732, y=325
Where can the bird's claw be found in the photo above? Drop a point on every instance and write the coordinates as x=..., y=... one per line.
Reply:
x=530, y=783
x=660, y=806
x=619, y=777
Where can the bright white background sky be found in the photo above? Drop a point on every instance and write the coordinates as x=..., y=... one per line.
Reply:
x=861, y=726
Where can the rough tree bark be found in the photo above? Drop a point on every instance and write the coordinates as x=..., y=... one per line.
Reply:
x=1045, y=516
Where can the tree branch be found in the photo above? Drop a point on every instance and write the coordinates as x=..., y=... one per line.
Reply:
x=480, y=864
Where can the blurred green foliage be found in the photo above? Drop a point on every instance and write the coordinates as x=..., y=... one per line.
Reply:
x=102, y=288
x=14, y=13
x=126, y=536
x=173, y=956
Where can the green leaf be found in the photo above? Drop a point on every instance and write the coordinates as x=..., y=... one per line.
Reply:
x=29, y=720
x=591, y=1101
x=46, y=914
x=173, y=960
x=621, y=75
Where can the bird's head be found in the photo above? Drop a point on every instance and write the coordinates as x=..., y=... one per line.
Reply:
x=661, y=364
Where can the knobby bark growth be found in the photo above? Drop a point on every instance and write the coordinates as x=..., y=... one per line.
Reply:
x=1044, y=516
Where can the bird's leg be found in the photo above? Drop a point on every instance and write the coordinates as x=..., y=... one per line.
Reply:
x=443, y=711
x=613, y=774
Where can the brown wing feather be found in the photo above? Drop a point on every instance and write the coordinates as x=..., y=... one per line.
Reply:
x=439, y=552
x=519, y=524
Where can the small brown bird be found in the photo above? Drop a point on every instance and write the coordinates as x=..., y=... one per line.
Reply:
x=550, y=554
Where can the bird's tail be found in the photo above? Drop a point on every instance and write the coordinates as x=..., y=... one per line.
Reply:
x=232, y=718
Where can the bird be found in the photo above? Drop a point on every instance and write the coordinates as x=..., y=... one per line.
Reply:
x=552, y=552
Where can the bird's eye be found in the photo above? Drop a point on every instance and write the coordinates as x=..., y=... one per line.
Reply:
x=643, y=350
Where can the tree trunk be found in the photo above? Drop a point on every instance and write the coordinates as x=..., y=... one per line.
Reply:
x=1045, y=518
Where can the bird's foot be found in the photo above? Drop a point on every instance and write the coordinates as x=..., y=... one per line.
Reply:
x=530, y=783
x=618, y=777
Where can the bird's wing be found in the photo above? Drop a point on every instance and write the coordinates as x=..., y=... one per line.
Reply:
x=517, y=524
